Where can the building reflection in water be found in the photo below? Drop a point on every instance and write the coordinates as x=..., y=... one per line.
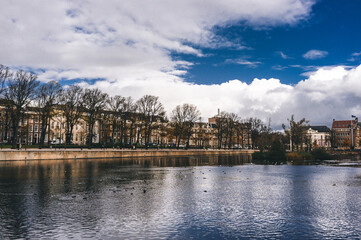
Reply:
x=184, y=197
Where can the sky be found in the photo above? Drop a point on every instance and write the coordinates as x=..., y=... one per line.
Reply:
x=256, y=58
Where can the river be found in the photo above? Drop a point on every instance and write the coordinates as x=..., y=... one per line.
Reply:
x=177, y=198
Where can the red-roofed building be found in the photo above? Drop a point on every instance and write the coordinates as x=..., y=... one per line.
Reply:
x=346, y=133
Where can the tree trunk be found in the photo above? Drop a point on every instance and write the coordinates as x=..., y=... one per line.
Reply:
x=149, y=131
x=178, y=141
x=113, y=130
x=68, y=133
x=42, y=135
x=188, y=138
x=6, y=127
x=15, y=128
x=15, y=133
x=90, y=135
x=44, y=125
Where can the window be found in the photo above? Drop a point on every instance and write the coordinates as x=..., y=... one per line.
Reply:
x=37, y=120
x=31, y=128
x=36, y=129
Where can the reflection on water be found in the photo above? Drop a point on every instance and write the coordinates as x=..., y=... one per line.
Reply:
x=195, y=197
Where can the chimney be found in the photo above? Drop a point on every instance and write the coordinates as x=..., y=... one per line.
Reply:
x=218, y=112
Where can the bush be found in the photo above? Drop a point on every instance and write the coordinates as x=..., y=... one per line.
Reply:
x=298, y=158
x=276, y=155
x=320, y=154
x=259, y=158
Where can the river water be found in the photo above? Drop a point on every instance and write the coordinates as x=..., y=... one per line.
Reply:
x=177, y=198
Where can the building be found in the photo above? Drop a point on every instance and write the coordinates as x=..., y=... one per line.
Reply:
x=320, y=136
x=346, y=133
x=126, y=129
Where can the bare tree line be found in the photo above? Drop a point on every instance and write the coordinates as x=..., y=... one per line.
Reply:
x=20, y=92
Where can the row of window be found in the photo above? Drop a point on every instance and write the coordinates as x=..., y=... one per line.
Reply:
x=342, y=134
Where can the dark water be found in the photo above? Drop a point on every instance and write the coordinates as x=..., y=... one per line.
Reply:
x=178, y=198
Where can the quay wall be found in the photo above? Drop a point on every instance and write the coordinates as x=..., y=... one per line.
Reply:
x=54, y=154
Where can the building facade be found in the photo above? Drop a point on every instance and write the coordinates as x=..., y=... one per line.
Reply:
x=346, y=134
x=320, y=136
x=109, y=129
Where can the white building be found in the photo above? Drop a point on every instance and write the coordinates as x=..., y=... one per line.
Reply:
x=319, y=136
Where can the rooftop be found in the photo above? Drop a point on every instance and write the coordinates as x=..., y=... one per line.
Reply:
x=320, y=128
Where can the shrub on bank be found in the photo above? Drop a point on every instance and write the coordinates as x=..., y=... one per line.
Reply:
x=314, y=157
x=276, y=155
x=320, y=154
x=298, y=158
x=259, y=158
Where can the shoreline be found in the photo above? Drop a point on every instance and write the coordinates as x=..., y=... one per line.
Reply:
x=61, y=154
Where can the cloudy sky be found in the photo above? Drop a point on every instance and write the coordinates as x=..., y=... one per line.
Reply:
x=266, y=59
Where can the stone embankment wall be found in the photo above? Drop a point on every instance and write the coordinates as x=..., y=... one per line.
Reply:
x=53, y=154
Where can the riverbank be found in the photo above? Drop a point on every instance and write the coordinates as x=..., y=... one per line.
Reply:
x=56, y=154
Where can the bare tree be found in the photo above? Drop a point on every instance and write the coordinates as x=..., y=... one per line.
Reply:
x=178, y=118
x=20, y=92
x=255, y=127
x=150, y=109
x=184, y=118
x=94, y=102
x=129, y=114
x=71, y=104
x=296, y=132
x=5, y=74
x=221, y=125
x=47, y=97
x=231, y=127
x=116, y=106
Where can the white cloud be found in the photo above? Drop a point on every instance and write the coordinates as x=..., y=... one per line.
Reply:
x=315, y=54
x=330, y=92
x=129, y=45
x=279, y=67
x=354, y=57
x=243, y=61
x=79, y=35
x=283, y=55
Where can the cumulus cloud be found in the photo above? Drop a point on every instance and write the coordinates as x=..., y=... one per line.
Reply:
x=127, y=46
x=315, y=54
x=138, y=34
x=330, y=92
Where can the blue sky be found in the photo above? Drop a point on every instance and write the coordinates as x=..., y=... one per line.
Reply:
x=265, y=59
x=333, y=26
